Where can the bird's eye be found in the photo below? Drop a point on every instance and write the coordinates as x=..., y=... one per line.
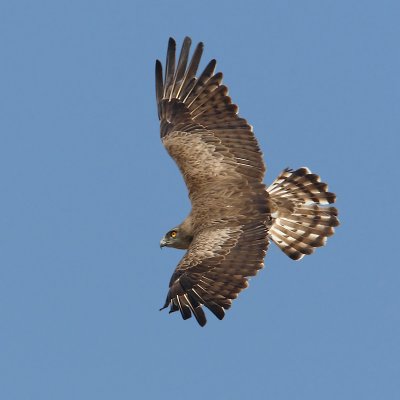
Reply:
x=173, y=234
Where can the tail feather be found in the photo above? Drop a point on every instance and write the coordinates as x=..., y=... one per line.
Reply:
x=301, y=222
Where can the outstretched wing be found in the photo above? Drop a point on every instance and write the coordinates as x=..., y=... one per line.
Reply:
x=215, y=269
x=200, y=127
x=223, y=168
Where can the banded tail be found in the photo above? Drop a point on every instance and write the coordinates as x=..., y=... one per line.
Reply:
x=301, y=219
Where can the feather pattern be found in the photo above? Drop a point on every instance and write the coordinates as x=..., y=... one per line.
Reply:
x=216, y=268
x=300, y=221
x=233, y=214
x=197, y=113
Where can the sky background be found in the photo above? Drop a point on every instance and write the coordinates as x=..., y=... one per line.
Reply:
x=87, y=191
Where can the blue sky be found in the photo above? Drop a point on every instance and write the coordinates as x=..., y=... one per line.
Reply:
x=87, y=191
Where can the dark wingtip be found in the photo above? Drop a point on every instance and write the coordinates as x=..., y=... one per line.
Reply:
x=187, y=39
x=217, y=310
x=166, y=304
x=199, y=315
x=171, y=41
x=159, y=85
x=158, y=69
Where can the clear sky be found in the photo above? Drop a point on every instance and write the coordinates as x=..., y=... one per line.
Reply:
x=87, y=191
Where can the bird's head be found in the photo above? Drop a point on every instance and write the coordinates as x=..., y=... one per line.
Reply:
x=176, y=238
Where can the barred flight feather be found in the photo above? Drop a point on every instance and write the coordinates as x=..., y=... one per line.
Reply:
x=234, y=215
x=300, y=222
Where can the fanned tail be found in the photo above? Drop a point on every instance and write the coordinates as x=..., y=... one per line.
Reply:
x=301, y=219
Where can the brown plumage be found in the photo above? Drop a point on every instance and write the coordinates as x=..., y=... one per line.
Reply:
x=234, y=215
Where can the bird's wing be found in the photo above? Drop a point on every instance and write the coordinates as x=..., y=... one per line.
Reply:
x=200, y=127
x=223, y=168
x=215, y=268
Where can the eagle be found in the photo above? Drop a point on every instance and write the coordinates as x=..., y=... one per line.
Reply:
x=234, y=215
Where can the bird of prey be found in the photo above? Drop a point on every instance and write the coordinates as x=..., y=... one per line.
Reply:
x=234, y=214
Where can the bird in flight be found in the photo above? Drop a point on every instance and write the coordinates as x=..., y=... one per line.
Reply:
x=234, y=214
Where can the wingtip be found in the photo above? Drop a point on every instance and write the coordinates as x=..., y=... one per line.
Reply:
x=159, y=70
x=187, y=39
x=217, y=310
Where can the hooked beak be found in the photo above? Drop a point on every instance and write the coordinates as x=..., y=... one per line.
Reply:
x=163, y=243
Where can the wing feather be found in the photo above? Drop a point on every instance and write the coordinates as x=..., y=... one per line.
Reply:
x=216, y=268
x=170, y=66
x=181, y=68
x=223, y=168
x=203, y=79
x=198, y=119
x=159, y=86
x=192, y=69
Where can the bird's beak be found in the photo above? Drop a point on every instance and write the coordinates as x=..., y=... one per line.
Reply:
x=163, y=243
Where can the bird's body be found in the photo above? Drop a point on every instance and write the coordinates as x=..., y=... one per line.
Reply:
x=234, y=215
